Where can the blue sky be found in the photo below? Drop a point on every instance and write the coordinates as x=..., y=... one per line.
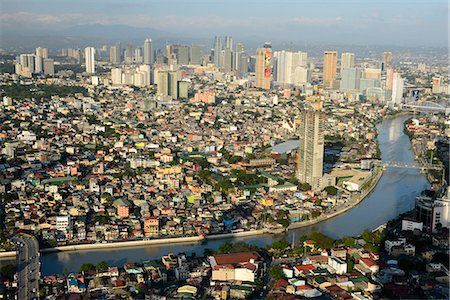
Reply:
x=398, y=22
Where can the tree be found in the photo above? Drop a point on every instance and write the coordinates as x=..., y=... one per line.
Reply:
x=8, y=271
x=305, y=186
x=87, y=267
x=277, y=272
x=226, y=247
x=103, y=265
x=322, y=241
x=281, y=244
x=331, y=190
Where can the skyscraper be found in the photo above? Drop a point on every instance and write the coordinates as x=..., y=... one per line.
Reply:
x=148, y=52
x=387, y=58
x=114, y=54
x=263, y=67
x=217, y=51
x=329, y=68
x=41, y=54
x=182, y=54
x=350, y=79
x=347, y=60
x=89, y=55
x=195, y=57
x=168, y=84
x=311, y=148
x=397, y=88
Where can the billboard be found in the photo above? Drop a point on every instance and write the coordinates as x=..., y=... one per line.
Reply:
x=415, y=95
x=267, y=63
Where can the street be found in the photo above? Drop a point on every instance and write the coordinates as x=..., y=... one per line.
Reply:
x=28, y=266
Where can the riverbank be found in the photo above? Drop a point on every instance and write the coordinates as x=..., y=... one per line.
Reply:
x=353, y=202
x=192, y=240
x=163, y=241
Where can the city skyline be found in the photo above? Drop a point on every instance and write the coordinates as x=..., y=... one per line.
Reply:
x=320, y=21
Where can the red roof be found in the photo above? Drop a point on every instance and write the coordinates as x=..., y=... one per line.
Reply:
x=235, y=258
x=308, y=267
x=367, y=261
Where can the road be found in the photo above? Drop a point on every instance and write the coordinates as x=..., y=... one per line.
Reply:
x=28, y=266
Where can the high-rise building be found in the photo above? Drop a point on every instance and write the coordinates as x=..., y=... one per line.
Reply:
x=397, y=88
x=217, y=51
x=228, y=42
x=227, y=60
x=114, y=54
x=350, y=79
x=387, y=58
x=433, y=213
x=137, y=57
x=195, y=56
x=263, y=67
x=182, y=54
x=41, y=54
x=89, y=56
x=49, y=66
x=329, y=68
x=311, y=148
x=148, y=52
x=347, y=60
x=291, y=67
x=167, y=84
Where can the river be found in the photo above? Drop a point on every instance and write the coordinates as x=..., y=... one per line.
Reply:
x=394, y=194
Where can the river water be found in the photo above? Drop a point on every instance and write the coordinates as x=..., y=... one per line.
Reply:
x=394, y=194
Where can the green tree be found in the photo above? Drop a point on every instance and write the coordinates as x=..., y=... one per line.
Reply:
x=87, y=267
x=281, y=244
x=305, y=187
x=277, y=272
x=322, y=241
x=102, y=266
x=331, y=190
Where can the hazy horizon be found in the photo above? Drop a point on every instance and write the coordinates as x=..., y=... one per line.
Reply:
x=401, y=23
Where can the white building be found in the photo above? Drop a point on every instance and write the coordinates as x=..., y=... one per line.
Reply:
x=62, y=223
x=337, y=264
x=397, y=88
x=89, y=55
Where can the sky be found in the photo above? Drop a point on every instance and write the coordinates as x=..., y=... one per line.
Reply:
x=359, y=22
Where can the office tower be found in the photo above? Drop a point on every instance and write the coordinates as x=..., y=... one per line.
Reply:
x=195, y=56
x=146, y=70
x=41, y=54
x=169, y=55
x=372, y=73
x=239, y=47
x=167, y=84
x=243, y=64
x=228, y=60
x=217, y=51
x=114, y=55
x=148, y=52
x=116, y=76
x=283, y=66
x=311, y=148
x=89, y=56
x=387, y=58
x=350, y=79
x=182, y=54
x=128, y=54
x=137, y=57
x=228, y=42
x=397, y=88
x=347, y=60
x=49, y=66
x=329, y=68
x=291, y=67
x=263, y=67
x=183, y=89
x=301, y=75
x=433, y=212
